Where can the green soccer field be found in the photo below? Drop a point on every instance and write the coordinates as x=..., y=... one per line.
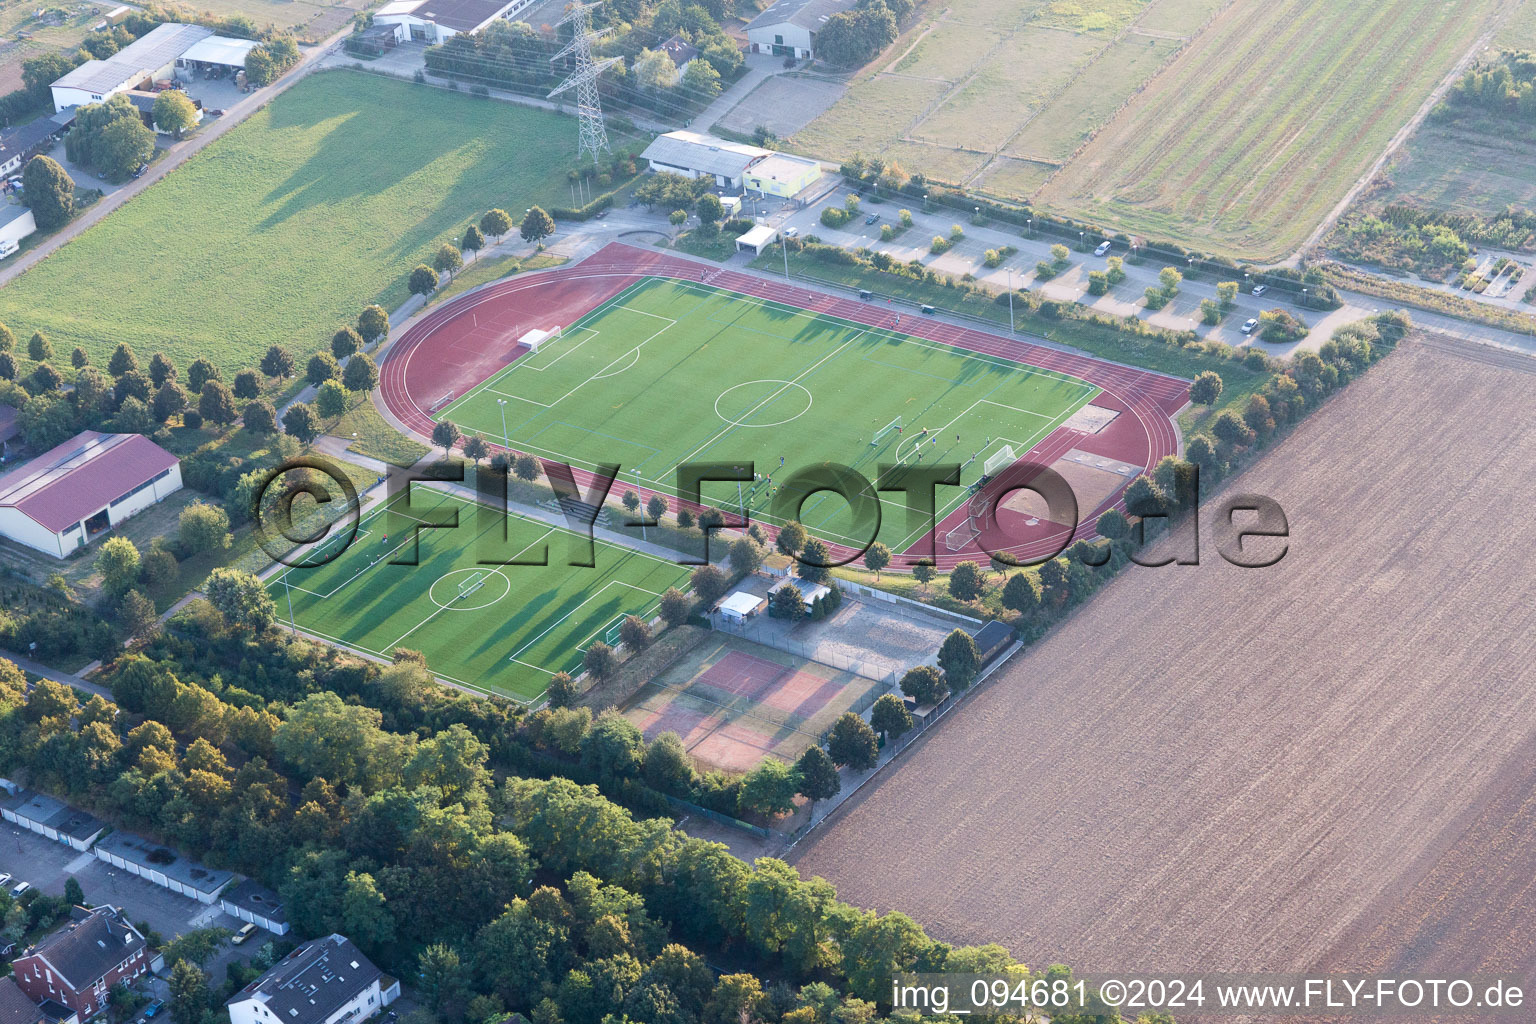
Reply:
x=668, y=372
x=500, y=628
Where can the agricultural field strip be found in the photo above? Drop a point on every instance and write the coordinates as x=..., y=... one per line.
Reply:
x=659, y=481
x=549, y=531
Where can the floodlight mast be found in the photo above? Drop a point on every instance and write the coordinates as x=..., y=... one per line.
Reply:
x=592, y=132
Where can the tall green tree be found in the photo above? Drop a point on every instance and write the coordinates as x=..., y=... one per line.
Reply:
x=537, y=225
x=852, y=743
x=49, y=192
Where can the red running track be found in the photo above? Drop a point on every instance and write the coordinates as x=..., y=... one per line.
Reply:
x=453, y=348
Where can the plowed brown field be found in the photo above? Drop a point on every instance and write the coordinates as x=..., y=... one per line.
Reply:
x=1327, y=764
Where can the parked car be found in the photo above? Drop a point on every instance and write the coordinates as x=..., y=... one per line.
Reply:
x=871, y=218
x=1102, y=249
x=142, y=168
x=245, y=932
x=927, y=310
x=9, y=247
x=1250, y=325
x=791, y=232
x=153, y=1008
x=20, y=889
x=1260, y=289
x=5, y=877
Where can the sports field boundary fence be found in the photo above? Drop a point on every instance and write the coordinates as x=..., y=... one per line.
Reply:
x=758, y=633
x=718, y=818
x=864, y=590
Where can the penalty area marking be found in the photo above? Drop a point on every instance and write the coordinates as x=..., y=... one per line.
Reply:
x=478, y=580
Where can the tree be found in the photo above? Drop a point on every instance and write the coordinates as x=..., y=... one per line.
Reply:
x=118, y=564
x=924, y=684
x=447, y=260
x=924, y=572
x=122, y=147
x=815, y=562
x=444, y=980
x=613, y=748
x=259, y=417
x=189, y=993
x=675, y=606
x=322, y=367
x=365, y=914
x=525, y=467
x=49, y=192
x=769, y=789
x=1098, y=282
x=562, y=691
x=1226, y=293
x=599, y=660
x=445, y=435
x=216, y=404
x=635, y=633
x=966, y=581
x=1206, y=388
x=330, y=400
x=169, y=400
x=496, y=223
x=701, y=79
x=890, y=717
x=709, y=209
x=475, y=448
x=301, y=422
x=241, y=598
x=787, y=602
x=818, y=775
x=345, y=342
x=39, y=348
x=423, y=280
x=200, y=373
x=361, y=375
x=1022, y=591
x=73, y=894
x=746, y=556
x=959, y=659
x=709, y=584
x=852, y=743
x=1170, y=279
x=655, y=507
x=372, y=323
x=1112, y=524
x=473, y=241
x=1060, y=254
x=44, y=379
x=247, y=384
x=1230, y=429
x=174, y=112
x=877, y=558
x=537, y=225
x=668, y=766
x=203, y=527
x=79, y=360
x=277, y=362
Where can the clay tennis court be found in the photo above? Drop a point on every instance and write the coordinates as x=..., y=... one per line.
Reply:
x=734, y=702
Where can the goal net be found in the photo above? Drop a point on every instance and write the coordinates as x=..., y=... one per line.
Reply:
x=1001, y=459
x=536, y=339
x=472, y=584
x=894, y=425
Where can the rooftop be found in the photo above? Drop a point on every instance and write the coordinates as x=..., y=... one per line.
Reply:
x=313, y=982
x=461, y=15
x=255, y=899
x=15, y=1007
x=703, y=153
x=679, y=49
x=153, y=856
x=94, y=943
x=150, y=52
x=24, y=138
x=81, y=477
x=53, y=814
x=808, y=14
x=220, y=50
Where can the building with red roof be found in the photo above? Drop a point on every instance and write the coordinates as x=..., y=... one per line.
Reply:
x=62, y=499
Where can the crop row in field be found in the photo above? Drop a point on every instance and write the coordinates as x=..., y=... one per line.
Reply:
x=1249, y=137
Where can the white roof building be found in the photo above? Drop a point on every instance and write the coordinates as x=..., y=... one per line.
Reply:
x=739, y=606
x=757, y=239
x=327, y=981
x=136, y=66
x=789, y=27
x=224, y=50
x=695, y=155
x=436, y=21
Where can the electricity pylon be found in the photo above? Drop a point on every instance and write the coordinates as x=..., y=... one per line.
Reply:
x=593, y=134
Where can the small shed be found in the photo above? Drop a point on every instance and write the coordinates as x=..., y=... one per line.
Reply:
x=992, y=640
x=757, y=239
x=740, y=607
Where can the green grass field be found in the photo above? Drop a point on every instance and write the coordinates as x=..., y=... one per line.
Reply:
x=499, y=628
x=280, y=231
x=668, y=372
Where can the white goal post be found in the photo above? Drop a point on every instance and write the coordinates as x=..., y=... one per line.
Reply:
x=895, y=424
x=1001, y=459
x=535, y=339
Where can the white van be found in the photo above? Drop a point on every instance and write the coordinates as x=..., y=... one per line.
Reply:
x=8, y=248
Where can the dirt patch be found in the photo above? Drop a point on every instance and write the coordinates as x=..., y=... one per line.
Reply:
x=1091, y=484
x=1321, y=765
x=783, y=104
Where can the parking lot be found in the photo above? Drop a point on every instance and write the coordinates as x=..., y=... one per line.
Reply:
x=49, y=865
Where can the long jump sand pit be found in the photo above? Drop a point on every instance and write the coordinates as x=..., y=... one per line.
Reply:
x=1324, y=765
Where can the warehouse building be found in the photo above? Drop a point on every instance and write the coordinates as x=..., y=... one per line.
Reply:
x=437, y=21
x=139, y=65
x=60, y=500
x=694, y=155
x=780, y=174
x=789, y=27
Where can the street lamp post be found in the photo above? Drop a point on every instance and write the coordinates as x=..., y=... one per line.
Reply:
x=288, y=591
x=502, y=402
x=784, y=244
x=1011, y=328
x=1303, y=296
x=637, y=491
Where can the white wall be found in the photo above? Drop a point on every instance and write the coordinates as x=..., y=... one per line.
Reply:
x=794, y=36
x=157, y=491
x=366, y=1003
x=24, y=529
x=18, y=228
